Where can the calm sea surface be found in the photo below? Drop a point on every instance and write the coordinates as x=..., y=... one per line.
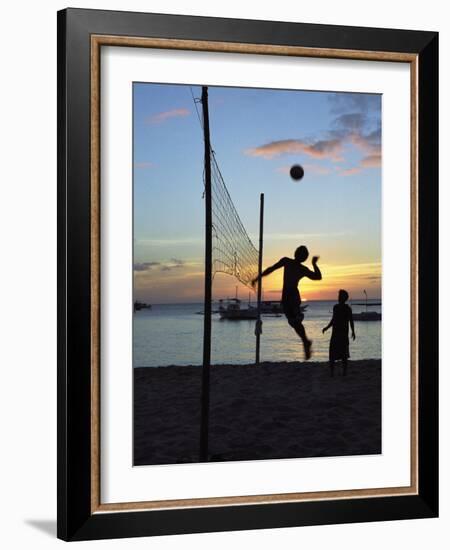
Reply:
x=171, y=334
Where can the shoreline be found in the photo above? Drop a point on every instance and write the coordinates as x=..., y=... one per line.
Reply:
x=272, y=364
x=273, y=410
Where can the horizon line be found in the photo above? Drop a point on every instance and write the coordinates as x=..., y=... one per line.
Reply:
x=362, y=298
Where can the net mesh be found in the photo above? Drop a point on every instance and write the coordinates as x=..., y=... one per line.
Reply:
x=232, y=249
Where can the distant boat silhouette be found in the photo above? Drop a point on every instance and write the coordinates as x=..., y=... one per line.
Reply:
x=137, y=306
x=231, y=309
x=367, y=315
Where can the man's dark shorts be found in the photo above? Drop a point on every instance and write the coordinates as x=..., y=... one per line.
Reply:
x=291, y=307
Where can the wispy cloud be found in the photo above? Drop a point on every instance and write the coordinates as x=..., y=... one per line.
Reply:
x=300, y=237
x=145, y=266
x=173, y=263
x=319, y=149
x=143, y=165
x=350, y=171
x=371, y=161
x=158, y=118
x=353, y=270
x=159, y=287
x=369, y=143
x=169, y=242
x=374, y=278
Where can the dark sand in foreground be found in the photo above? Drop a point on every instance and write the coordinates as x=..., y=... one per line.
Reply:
x=275, y=410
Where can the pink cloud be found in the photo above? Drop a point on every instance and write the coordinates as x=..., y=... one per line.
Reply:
x=371, y=161
x=369, y=144
x=321, y=149
x=165, y=115
x=350, y=171
x=143, y=165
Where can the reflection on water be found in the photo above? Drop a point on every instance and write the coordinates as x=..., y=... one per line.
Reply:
x=172, y=335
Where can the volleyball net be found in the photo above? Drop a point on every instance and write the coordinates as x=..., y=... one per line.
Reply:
x=233, y=252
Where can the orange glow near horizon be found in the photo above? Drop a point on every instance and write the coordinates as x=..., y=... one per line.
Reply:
x=352, y=277
x=166, y=287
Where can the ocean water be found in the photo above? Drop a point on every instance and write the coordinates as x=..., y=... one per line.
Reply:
x=172, y=334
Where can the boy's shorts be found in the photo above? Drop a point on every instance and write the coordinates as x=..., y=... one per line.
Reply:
x=291, y=303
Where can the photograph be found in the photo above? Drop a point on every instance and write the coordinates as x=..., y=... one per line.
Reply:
x=257, y=273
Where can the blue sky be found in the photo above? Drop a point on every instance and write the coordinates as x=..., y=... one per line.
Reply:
x=257, y=135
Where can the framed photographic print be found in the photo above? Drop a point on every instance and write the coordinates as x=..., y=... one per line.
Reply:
x=248, y=274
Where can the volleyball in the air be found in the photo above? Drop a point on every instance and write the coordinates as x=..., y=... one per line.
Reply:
x=296, y=172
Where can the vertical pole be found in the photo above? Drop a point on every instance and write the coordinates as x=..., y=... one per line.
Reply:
x=260, y=260
x=204, y=428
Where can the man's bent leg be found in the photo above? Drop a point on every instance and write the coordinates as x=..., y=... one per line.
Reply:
x=297, y=325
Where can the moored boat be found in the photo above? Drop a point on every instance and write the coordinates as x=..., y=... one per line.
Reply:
x=367, y=316
x=231, y=309
x=137, y=306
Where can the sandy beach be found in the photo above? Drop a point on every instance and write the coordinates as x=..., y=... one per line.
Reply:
x=275, y=410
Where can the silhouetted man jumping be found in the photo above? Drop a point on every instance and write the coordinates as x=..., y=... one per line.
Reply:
x=294, y=270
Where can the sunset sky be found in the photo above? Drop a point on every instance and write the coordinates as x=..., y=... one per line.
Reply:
x=335, y=210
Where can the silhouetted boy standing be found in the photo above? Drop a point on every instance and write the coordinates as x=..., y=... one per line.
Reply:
x=339, y=344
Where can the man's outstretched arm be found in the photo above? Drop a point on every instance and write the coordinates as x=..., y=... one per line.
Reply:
x=271, y=269
x=315, y=275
